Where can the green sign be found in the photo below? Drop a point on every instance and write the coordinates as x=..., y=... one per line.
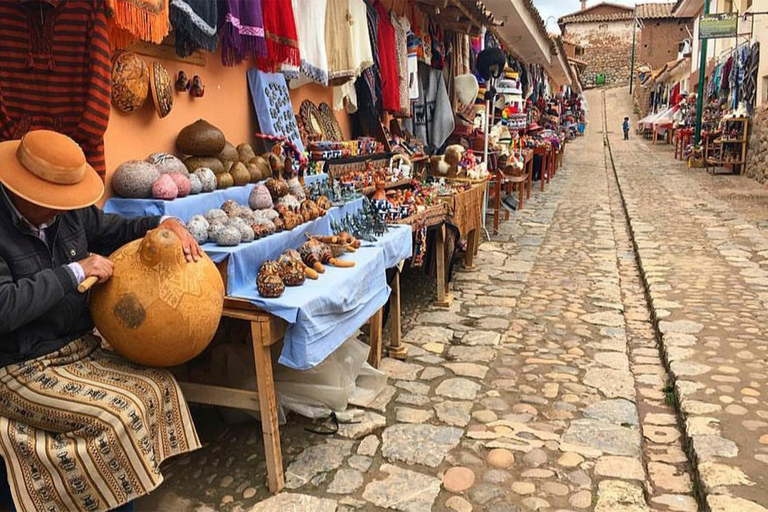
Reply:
x=718, y=26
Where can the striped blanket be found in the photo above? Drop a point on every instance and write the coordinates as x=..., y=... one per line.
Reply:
x=81, y=429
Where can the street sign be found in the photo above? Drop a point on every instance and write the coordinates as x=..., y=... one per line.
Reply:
x=718, y=26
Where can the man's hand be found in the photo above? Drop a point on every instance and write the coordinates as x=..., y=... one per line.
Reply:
x=98, y=267
x=189, y=245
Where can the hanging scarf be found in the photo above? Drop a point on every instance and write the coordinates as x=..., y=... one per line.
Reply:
x=242, y=36
x=438, y=45
x=194, y=25
x=132, y=20
x=280, y=34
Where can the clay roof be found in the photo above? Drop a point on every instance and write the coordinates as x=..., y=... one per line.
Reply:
x=655, y=11
x=620, y=13
x=540, y=25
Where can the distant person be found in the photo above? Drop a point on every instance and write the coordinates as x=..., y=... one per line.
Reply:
x=625, y=127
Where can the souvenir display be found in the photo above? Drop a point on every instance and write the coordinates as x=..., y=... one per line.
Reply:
x=260, y=198
x=157, y=310
x=207, y=179
x=269, y=282
x=130, y=82
x=195, y=184
x=198, y=228
x=162, y=90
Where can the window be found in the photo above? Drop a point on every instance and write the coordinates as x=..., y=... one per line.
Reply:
x=579, y=51
x=603, y=26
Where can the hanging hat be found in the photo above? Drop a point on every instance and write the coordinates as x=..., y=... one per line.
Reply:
x=466, y=89
x=49, y=169
x=490, y=63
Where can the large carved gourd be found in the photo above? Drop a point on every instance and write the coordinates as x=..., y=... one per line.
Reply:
x=157, y=309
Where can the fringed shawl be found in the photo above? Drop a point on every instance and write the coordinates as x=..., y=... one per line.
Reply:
x=194, y=24
x=281, y=38
x=132, y=20
x=242, y=35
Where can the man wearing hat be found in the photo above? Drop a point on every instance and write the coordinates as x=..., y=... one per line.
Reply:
x=80, y=428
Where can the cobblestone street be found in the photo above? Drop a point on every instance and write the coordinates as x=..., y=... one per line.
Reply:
x=545, y=385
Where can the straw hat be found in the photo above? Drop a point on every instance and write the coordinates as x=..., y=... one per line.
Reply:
x=49, y=169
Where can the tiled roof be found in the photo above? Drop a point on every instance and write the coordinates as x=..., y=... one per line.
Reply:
x=655, y=11
x=586, y=16
x=540, y=25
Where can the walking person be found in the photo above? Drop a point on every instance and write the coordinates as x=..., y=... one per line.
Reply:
x=625, y=127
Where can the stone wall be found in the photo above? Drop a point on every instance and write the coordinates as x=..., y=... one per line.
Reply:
x=757, y=152
x=607, y=50
x=659, y=40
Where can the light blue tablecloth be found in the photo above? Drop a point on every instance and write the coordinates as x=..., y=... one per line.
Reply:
x=323, y=313
x=315, y=178
x=183, y=208
x=397, y=244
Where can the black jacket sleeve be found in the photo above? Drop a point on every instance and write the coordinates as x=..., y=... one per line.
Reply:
x=25, y=300
x=108, y=232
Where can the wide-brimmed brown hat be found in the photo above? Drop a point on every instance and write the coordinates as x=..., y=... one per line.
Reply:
x=49, y=169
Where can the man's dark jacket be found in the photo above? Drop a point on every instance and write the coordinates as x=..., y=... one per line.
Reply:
x=40, y=307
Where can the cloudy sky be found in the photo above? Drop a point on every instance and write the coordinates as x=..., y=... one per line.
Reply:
x=557, y=8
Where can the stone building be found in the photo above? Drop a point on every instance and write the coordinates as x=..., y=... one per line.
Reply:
x=661, y=36
x=604, y=34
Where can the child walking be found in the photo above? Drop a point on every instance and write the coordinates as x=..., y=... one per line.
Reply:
x=625, y=127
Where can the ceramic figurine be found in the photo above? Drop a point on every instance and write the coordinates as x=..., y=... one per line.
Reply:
x=197, y=89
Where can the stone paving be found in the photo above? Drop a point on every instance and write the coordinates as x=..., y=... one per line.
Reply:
x=545, y=385
x=705, y=264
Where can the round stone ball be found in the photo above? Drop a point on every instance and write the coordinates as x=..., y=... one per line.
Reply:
x=166, y=163
x=207, y=179
x=216, y=214
x=228, y=237
x=165, y=188
x=199, y=231
x=214, y=228
x=134, y=179
x=182, y=183
x=157, y=310
x=195, y=185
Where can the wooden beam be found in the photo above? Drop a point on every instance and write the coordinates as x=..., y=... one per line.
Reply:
x=221, y=396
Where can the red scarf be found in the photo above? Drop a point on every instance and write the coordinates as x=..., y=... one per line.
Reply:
x=280, y=32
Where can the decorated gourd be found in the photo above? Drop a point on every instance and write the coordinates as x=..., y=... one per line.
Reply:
x=240, y=174
x=224, y=180
x=262, y=166
x=216, y=214
x=229, y=153
x=207, y=179
x=229, y=236
x=165, y=188
x=315, y=254
x=277, y=188
x=200, y=138
x=245, y=153
x=296, y=189
x=324, y=203
x=134, y=179
x=229, y=207
x=157, y=309
x=294, y=255
x=291, y=270
x=195, y=185
x=268, y=282
x=198, y=228
x=194, y=163
x=182, y=182
x=290, y=201
x=260, y=198
x=167, y=163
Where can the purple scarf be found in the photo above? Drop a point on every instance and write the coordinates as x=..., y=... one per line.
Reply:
x=242, y=36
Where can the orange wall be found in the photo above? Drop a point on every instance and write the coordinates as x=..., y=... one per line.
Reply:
x=226, y=104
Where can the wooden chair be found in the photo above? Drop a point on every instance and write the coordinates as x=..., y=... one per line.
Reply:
x=545, y=153
x=682, y=139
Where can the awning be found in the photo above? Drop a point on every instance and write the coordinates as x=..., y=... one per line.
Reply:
x=523, y=30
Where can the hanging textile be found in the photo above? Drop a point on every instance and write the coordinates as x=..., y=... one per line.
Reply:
x=272, y=103
x=310, y=23
x=433, y=120
x=39, y=90
x=132, y=20
x=280, y=36
x=362, y=56
x=413, y=66
x=748, y=91
x=194, y=25
x=402, y=27
x=242, y=35
x=338, y=42
x=438, y=45
x=390, y=85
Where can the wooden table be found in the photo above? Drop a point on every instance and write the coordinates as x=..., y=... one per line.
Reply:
x=267, y=331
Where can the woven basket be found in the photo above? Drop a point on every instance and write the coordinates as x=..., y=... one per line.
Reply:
x=432, y=216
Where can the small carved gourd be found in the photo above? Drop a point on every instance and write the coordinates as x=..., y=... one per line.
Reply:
x=291, y=271
x=268, y=282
